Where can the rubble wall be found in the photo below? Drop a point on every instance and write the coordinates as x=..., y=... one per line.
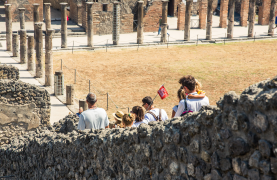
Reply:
x=9, y=72
x=234, y=140
x=23, y=107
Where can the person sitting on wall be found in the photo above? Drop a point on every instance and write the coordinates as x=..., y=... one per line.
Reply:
x=181, y=95
x=118, y=118
x=190, y=105
x=152, y=113
x=94, y=117
x=128, y=120
x=80, y=111
x=139, y=116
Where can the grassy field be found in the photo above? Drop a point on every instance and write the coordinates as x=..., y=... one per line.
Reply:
x=129, y=75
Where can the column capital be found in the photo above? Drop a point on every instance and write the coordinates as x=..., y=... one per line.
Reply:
x=21, y=10
x=165, y=1
x=50, y=31
x=35, y=4
x=89, y=3
x=39, y=24
x=47, y=4
x=116, y=2
x=8, y=5
x=63, y=3
x=22, y=30
x=140, y=2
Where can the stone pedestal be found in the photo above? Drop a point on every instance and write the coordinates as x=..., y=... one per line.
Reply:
x=39, y=50
x=49, y=76
x=58, y=83
x=164, y=21
x=8, y=26
x=31, y=59
x=83, y=104
x=70, y=94
x=272, y=18
x=202, y=14
x=23, y=46
x=15, y=45
x=63, y=25
x=22, y=17
x=140, y=23
x=230, y=27
x=223, y=13
x=187, y=20
x=209, y=20
x=116, y=22
x=89, y=24
x=47, y=15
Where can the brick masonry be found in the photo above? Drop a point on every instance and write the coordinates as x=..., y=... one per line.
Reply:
x=244, y=12
x=264, y=11
x=223, y=13
x=28, y=5
x=76, y=11
x=151, y=18
x=203, y=14
x=181, y=16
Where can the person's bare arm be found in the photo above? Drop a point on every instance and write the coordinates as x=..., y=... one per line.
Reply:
x=173, y=114
x=107, y=127
x=199, y=96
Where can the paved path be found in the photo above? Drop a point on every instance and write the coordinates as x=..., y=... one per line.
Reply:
x=58, y=109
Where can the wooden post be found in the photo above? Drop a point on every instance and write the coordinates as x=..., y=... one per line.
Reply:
x=230, y=27
x=251, y=18
x=272, y=18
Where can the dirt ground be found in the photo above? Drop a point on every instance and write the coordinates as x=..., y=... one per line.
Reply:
x=129, y=75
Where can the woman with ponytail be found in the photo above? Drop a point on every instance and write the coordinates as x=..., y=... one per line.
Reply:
x=139, y=116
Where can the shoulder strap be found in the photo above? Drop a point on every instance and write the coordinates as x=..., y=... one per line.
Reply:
x=160, y=115
x=185, y=102
x=153, y=115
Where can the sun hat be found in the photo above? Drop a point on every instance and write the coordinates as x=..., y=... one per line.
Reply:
x=118, y=115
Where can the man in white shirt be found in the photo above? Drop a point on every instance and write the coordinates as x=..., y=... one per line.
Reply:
x=152, y=113
x=188, y=84
x=94, y=117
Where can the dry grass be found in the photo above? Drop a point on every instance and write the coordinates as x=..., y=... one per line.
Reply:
x=129, y=75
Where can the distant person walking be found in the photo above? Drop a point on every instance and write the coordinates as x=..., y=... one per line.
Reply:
x=152, y=113
x=160, y=25
x=94, y=117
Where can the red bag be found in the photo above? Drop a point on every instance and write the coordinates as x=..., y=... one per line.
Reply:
x=162, y=92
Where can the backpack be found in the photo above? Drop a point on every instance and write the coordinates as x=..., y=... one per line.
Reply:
x=157, y=118
x=186, y=109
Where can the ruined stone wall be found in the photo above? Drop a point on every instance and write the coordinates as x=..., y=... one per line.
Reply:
x=28, y=5
x=9, y=72
x=23, y=107
x=234, y=141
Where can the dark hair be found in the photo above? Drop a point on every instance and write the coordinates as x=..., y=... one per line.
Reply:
x=128, y=119
x=188, y=81
x=147, y=100
x=91, y=98
x=139, y=112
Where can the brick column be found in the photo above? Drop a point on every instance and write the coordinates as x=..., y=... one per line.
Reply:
x=22, y=17
x=187, y=20
x=31, y=60
x=38, y=47
x=84, y=15
x=49, y=77
x=23, y=46
x=252, y=16
x=47, y=15
x=272, y=18
x=209, y=20
x=264, y=12
x=63, y=26
x=244, y=12
x=181, y=16
x=8, y=26
x=231, y=20
x=164, y=21
x=70, y=94
x=202, y=14
x=140, y=23
x=89, y=24
x=15, y=45
x=223, y=13
x=116, y=22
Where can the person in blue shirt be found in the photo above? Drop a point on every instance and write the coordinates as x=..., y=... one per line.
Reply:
x=80, y=111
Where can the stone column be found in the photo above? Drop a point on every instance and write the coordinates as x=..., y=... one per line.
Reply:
x=15, y=45
x=31, y=59
x=49, y=77
x=252, y=14
x=244, y=12
x=58, y=86
x=264, y=12
x=209, y=20
x=23, y=46
x=187, y=20
x=35, y=18
x=116, y=22
x=181, y=16
x=63, y=25
x=202, y=14
x=83, y=104
x=70, y=94
x=272, y=18
x=223, y=13
x=164, y=21
x=89, y=24
x=47, y=15
x=22, y=17
x=231, y=20
x=140, y=23
x=38, y=47
x=8, y=26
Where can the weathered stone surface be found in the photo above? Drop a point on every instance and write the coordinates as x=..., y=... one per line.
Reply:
x=236, y=163
x=225, y=164
x=9, y=72
x=255, y=159
x=253, y=174
x=216, y=175
x=238, y=177
x=265, y=148
x=238, y=147
x=265, y=166
x=260, y=121
x=273, y=164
